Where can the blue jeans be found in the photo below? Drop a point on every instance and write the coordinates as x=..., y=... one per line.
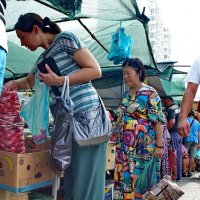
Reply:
x=2, y=66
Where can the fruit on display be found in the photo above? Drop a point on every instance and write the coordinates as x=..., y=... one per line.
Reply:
x=11, y=124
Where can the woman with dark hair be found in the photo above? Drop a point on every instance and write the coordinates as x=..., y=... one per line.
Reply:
x=139, y=131
x=84, y=178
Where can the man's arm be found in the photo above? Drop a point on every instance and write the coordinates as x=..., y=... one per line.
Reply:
x=186, y=105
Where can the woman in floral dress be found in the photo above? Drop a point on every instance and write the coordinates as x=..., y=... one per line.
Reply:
x=139, y=131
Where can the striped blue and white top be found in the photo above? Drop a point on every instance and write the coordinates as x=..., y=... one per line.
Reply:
x=84, y=96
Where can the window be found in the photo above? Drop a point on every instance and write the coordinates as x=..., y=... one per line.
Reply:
x=152, y=35
x=153, y=11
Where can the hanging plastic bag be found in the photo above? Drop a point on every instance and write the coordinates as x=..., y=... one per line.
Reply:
x=120, y=46
x=148, y=178
x=36, y=112
x=61, y=136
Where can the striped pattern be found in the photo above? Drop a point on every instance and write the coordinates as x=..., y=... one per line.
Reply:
x=2, y=10
x=62, y=50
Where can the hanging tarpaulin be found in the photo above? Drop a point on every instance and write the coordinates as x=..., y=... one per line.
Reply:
x=120, y=46
x=101, y=17
x=69, y=7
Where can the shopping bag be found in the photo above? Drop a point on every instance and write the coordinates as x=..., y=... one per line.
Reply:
x=120, y=46
x=166, y=189
x=93, y=126
x=148, y=178
x=36, y=112
x=90, y=127
x=61, y=134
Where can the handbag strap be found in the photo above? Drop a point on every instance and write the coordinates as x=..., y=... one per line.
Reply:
x=191, y=123
x=65, y=89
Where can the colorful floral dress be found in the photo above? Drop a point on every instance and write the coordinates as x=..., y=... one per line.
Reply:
x=136, y=139
x=165, y=157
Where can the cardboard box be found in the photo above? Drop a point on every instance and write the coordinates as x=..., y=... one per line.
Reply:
x=5, y=195
x=30, y=144
x=25, y=172
x=110, y=164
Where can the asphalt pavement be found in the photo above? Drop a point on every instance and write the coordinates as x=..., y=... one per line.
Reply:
x=190, y=187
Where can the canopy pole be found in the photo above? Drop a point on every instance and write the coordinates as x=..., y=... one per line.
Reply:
x=92, y=35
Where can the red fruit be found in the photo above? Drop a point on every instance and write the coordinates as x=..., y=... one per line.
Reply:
x=8, y=105
x=4, y=110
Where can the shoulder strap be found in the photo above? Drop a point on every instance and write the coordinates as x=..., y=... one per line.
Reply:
x=56, y=91
x=191, y=123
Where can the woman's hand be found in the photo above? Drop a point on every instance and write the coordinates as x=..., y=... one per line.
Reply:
x=158, y=152
x=51, y=79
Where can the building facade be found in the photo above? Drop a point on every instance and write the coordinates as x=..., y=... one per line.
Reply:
x=159, y=35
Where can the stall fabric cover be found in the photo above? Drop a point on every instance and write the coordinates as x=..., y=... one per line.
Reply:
x=69, y=7
x=101, y=17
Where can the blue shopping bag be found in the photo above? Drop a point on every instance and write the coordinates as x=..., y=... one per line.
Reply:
x=148, y=178
x=120, y=46
x=36, y=112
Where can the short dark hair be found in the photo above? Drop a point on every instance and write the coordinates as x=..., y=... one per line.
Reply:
x=26, y=22
x=137, y=64
x=168, y=97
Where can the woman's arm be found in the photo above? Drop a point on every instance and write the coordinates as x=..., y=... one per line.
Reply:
x=25, y=82
x=21, y=83
x=90, y=70
x=159, y=140
x=159, y=134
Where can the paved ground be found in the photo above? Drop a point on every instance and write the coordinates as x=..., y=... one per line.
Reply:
x=191, y=187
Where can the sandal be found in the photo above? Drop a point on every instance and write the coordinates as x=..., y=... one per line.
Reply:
x=189, y=174
x=184, y=174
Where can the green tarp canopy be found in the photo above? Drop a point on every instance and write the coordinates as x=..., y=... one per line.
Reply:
x=94, y=21
x=100, y=17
